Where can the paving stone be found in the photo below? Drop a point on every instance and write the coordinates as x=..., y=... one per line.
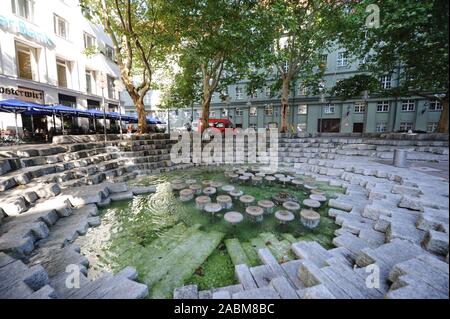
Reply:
x=410, y=203
x=401, y=189
x=315, y=292
x=311, y=276
x=389, y=254
x=411, y=287
x=46, y=292
x=418, y=268
x=404, y=231
x=245, y=277
x=436, y=242
x=258, y=293
x=186, y=292
x=221, y=295
x=311, y=251
x=354, y=244
x=339, y=204
x=284, y=288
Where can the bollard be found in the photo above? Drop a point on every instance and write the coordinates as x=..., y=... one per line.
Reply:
x=400, y=158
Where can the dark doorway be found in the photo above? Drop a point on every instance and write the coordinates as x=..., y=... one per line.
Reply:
x=70, y=124
x=328, y=125
x=358, y=127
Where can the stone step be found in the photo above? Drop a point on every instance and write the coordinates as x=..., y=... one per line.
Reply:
x=108, y=286
x=229, y=290
x=180, y=263
x=236, y=252
x=353, y=243
x=257, y=293
x=311, y=275
x=280, y=249
x=312, y=251
x=19, y=281
x=389, y=254
x=282, y=286
x=245, y=277
x=421, y=268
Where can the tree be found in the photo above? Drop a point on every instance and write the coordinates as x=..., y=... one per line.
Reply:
x=218, y=39
x=141, y=40
x=355, y=86
x=409, y=40
x=300, y=41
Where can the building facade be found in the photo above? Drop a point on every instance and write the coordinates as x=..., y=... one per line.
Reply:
x=315, y=114
x=51, y=54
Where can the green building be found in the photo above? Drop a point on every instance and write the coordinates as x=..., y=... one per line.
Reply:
x=317, y=114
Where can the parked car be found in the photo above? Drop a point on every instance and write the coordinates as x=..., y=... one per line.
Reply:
x=219, y=124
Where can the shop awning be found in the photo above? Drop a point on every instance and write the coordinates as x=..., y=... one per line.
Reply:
x=28, y=108
x=15, y=106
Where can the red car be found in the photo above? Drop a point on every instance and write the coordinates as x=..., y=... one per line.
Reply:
x=219, y=124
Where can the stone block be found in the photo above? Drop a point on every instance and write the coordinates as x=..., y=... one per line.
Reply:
x=436, y=242
x=186, y=292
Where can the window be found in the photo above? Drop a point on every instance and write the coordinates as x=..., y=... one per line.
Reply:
x=342, y=59
x=61, y=27
x=268, y=91
x=224, y=112
x=269, y=110
x=383, y=106
x=110, y=84
x=253, y=111
x=239, y=112
x=386, y=82
x=323, y=61
x=62, y=69
x=302, y=109
x=23, y=8
x=328, y=109
x=239, y=94
x=381, y=127
x=408, y=105
x=252, y=126
x=109, y=52
x=432, y=126
x=25, y=61
x=435, y=106
x=89, y=81
x=254, y=94
x=89, y=41
x=212, y=114
x=360, y=107
x=406, y=126
x=286, y=66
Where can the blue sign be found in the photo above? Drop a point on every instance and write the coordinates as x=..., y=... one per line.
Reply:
x=20, y=27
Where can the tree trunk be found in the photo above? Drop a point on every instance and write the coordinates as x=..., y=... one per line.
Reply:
x=284, y=105
x=443, y=120
x=141, y=114
x=206, y=102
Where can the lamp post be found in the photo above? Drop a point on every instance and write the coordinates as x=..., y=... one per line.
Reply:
x=227, y=103
x=366, y=105
x=322, y=101
x=103, y=84
x=119, y=88
x=249, y=104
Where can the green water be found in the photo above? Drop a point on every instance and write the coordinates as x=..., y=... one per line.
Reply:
x=171, y=243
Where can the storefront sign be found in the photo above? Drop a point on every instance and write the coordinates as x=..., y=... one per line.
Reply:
x=19, y=27
x=24, y=94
